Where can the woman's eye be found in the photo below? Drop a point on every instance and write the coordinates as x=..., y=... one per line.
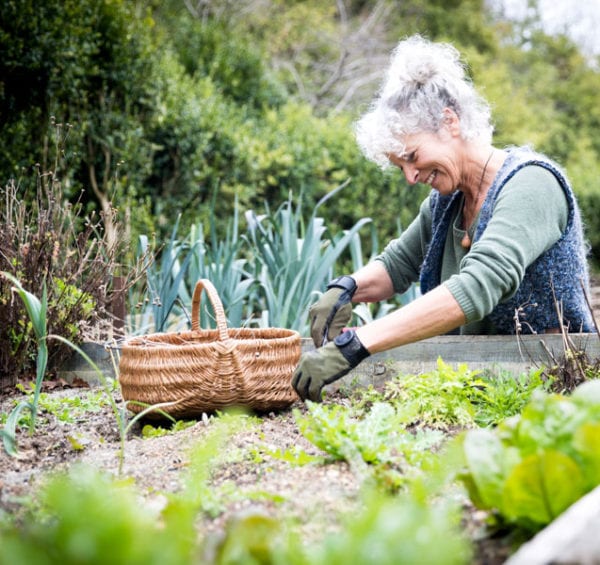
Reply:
x=411, y=157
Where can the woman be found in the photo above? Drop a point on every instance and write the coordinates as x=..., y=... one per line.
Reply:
x=497, y=246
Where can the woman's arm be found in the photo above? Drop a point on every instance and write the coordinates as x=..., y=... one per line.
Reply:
x=529, y=217
x=397, y=267
x=432, y=314
x=373, y=283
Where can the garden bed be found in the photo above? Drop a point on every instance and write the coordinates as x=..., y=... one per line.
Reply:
x=516, y=355
x=311, y=493
x=80, y=427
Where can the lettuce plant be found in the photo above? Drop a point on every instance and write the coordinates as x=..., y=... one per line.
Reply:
x=448, y=397
x=533, y=466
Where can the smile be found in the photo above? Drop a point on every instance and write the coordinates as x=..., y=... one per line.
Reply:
x=431, y=177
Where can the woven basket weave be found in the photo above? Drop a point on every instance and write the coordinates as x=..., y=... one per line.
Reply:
x=206, y=370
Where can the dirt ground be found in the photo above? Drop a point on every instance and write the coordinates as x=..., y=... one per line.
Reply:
x=158, y=466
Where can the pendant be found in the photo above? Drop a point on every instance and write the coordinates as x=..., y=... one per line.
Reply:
x=466, y=241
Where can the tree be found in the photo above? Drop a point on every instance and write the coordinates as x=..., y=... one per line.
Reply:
x=88, y=64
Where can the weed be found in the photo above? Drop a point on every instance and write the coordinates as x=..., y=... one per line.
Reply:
x=376, y=444
x=442, y=398
x=295, y=456
x=37, y=312
x=150, y=431
x=67, y=409
x=448, y=398
x=505, y=395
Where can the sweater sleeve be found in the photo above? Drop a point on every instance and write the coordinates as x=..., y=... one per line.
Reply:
x=403, y=256
x=529, y=216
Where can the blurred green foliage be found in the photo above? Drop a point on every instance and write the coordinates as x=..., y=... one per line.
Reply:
x=170, y=101
x=82, y=515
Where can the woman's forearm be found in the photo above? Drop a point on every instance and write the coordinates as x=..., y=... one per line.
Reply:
x=373, y=282
x=434, y=313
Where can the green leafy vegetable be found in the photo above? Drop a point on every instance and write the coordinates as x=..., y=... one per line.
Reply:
x=535, y=465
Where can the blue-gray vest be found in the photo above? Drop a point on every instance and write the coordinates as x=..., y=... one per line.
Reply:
x=558, y=276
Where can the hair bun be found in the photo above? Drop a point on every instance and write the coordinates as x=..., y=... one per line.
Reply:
x=419, y=73
x=423, y=80
x=417, y=62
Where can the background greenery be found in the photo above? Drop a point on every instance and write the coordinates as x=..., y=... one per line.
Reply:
x=212, y=132
x=165, y=102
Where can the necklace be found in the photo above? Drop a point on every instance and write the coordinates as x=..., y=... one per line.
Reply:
x=466, y=240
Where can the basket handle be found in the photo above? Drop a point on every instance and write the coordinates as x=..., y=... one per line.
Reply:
x=213, y=296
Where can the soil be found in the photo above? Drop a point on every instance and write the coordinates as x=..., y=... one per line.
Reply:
x=158, y=465
x=312, y=493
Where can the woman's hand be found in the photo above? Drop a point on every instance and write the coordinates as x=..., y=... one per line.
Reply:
x=332, y=311
x=327, y=364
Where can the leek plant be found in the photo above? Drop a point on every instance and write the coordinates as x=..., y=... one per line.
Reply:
x=37, y=312
x=164, y=279
x=291, y=261
x=220, y=261
x=266, y=277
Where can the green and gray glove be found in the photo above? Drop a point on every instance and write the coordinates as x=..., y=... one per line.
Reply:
x=332, y=311
x=327, y=364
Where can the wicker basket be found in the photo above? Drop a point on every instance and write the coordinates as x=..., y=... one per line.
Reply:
x=206, y=370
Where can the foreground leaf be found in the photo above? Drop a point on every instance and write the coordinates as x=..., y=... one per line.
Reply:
x=541, y=487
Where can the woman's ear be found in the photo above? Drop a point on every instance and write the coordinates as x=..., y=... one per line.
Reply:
x=451, y=121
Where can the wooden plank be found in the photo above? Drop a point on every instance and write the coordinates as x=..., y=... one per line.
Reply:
x=478, y=352
x=506, y=353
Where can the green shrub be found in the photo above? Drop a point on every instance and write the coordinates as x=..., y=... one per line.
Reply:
x=86, y=63
x=209, y=48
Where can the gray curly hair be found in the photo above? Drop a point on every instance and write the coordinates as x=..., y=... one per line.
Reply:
x=423, y=79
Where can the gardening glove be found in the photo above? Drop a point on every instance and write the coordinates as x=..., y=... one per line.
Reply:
x=332, y=311
x=327, y=364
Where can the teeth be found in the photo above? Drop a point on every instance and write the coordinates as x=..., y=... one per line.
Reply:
x=431, y=177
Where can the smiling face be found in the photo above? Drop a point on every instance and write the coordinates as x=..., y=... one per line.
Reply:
x=430, y=158
x=435, y=158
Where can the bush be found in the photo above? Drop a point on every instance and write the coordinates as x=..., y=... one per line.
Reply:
x=51, y=244
x=76, y=60
x=232, y=61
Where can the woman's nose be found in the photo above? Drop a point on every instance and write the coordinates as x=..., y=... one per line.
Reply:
x=411, y=173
